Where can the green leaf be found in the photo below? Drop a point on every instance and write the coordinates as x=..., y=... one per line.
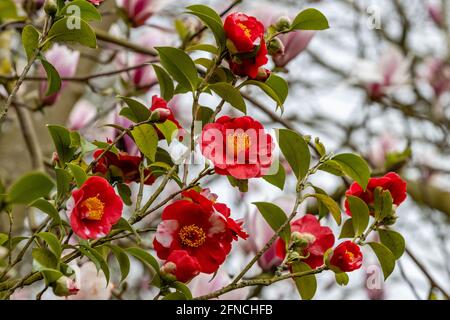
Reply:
x=63, y=179
x=43, y=258
x=53, y=78
x=212, y=20
x=181, y=287
x=360, y=214
x=310, y=19
x=295, y=150
x=125, y=193
x=268, y=90
x=165, y=83
x=169, y=130
x=278, y=179
x=78, y=173
x=204, y=115
x=97, y=259
x=306, y=285
x=30, y=187
x=137, y=112
x=203, y=47
x=122, y=259
x=48, y=208
x=3, y=238
x=347, y=230
x=278, y=85
x=144, y=257
x=123, y=224
x=88, y=11
x=241, y=184
x=230, y=94
x=332, y=167
x=330, y=204
x=341, y=278
x=30, y=40
x=146, y=139
x=61, y=139
x=393, y=240
x=386, y=205
x=180, y=66
x=65, y=30
x=8, y=10
x=52, y=241
x=355, y=167
x=385, y=257
x=106, y=146
x=177, y=295
x=275, y=217
x=50, y=275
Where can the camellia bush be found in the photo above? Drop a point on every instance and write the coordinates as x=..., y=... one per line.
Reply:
x=92, y=198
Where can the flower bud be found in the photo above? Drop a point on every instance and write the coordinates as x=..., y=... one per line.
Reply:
x=65, y=286
x=283, y=23
x=276, y=47
x=167, y=271
x=390, y=220
x=263, y=74
x=50, y=7
x=160, y=115
x=55, y=158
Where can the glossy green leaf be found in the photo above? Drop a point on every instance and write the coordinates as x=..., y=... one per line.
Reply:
x=181, y=287
x=63, y=179
x=53, y=78
x=43, y=258
x=393, y=240
x=310, y=19
x=268, y=90
x=347, y=230
x=306, y=285
x=355, y=167
x=146, y=139
x=278, y=179
x=230, y=94
x=203, y=47
x=385, y=257
x=50, y=275
x=148, y=260
x=169, y=130
x=180, y=66
x=30, y=40
x=275, y=217
x=3, y=238
x=30, y=187
x=124, y=193
x=66, y=30
x=332, y=206
x=48, y=208
x=137, y=112
x=278, y=85
x=341, y=278
x=52, y=241
x=78, y=173
x=177, y=295
x=295, y=150
x=97, y=259
x=8, y=10
x=165, y=83
x=360, y=214
x=88, y=12
x=212, y=20
x=122, y=260
x=62, y=141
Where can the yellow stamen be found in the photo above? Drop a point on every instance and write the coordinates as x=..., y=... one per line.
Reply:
x=246, y=30
x=350, y=255
x=238, y=142
x=95, y=208
x=192, y=236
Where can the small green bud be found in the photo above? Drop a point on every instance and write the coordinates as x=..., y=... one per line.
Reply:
x=283, y=23
x=275, y=47
x=50, y=7
x=65, y=286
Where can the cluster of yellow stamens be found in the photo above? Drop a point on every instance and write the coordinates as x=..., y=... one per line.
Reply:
x=247, y=31
x=349, y=255
x=95, y=208
x=192, y=236
x=238, y=142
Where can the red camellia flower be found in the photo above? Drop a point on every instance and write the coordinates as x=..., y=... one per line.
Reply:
x=161, y=105
x=391, y=181
x=122, y=165
x=181, y=265
x=94, y=208
x=199, y=226
x=318, y=239
x=347, y=256
x=238, y=147
x=246, y=44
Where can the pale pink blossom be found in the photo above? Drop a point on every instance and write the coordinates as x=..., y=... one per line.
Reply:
x=65, y=62
x=294, y=42
x=202, y=284
x=139, y=11
x=82, y=114
x=435, y=13
x=92, y=284
x=437, y=75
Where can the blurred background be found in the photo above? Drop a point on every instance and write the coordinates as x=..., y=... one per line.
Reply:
x=376, y=83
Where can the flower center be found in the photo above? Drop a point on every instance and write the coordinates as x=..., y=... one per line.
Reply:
x=349, y=255
x=238, y=142
x=94, y=208
x=192, y=236
x=247, y=31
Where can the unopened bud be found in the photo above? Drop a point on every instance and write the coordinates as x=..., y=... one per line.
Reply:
x=275, y=47
x=390, y=220
x=55, y=158
x=283, y=23
x=263, y=74
x=167, y=271
x=50, y=7
x=65, y=286
x=160, y=115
